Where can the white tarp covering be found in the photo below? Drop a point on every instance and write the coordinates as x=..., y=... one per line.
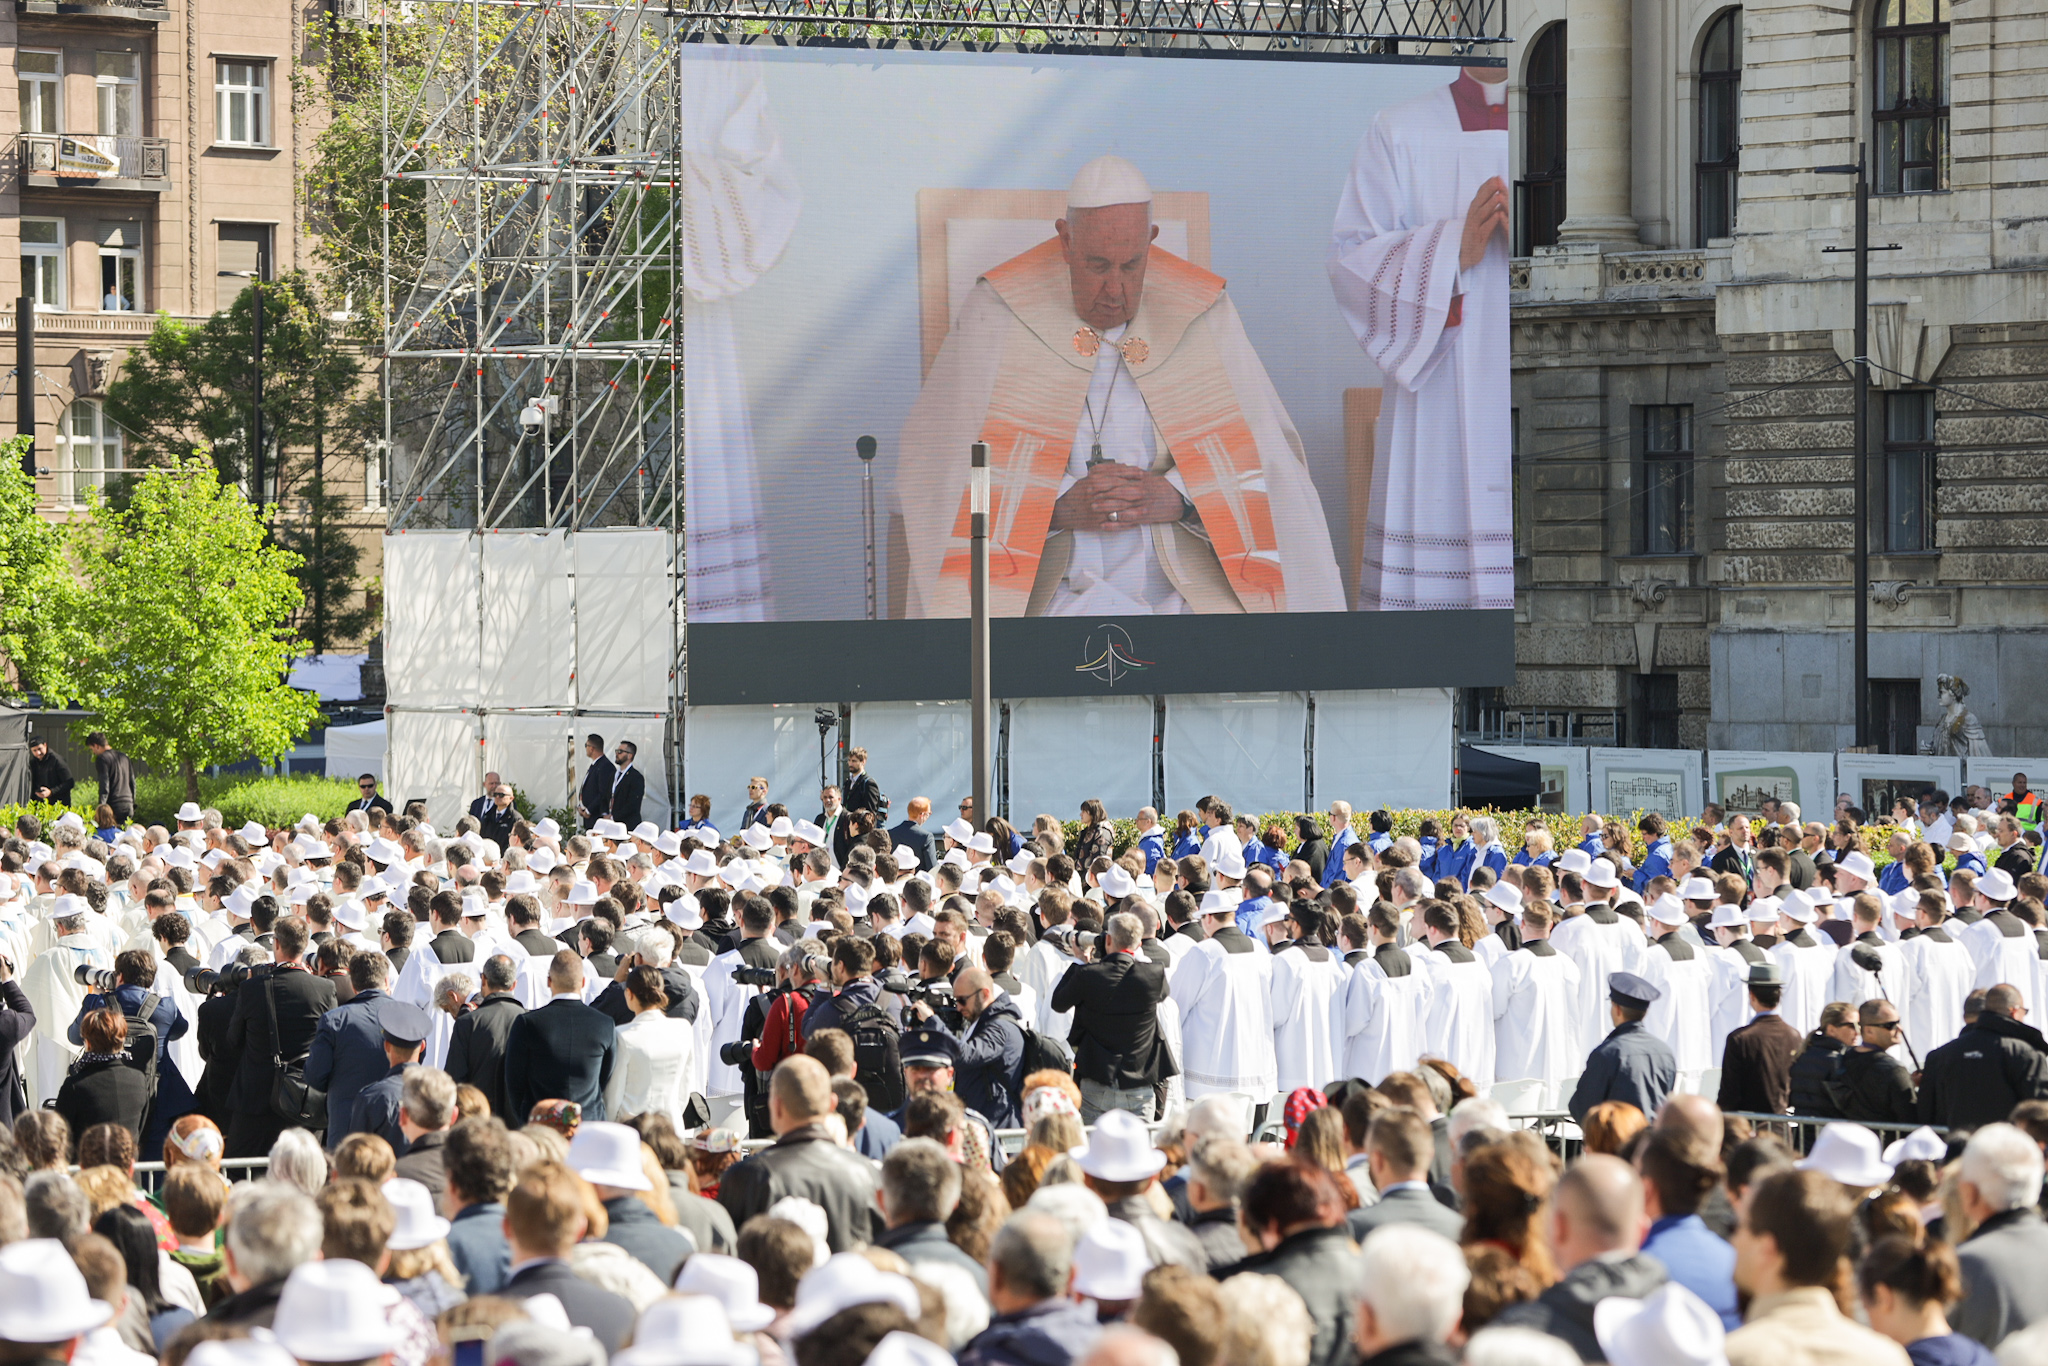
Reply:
x=1563, y=779
x=725, y=746
x=434, y=755
x=1740, y=780
x=1059, y=745
x=1872, y=779
x=919, y=749
x=1247, y=748
x=431, y=638
x=526, y=659
x=625, y=623
x=355, y=750
x=1666, y=781
x=1382, y=747
x=532, y=753
x=332, y=678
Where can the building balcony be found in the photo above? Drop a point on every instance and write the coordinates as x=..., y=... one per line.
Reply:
x=65, y=161
x=1593, y=274
x=135, y=11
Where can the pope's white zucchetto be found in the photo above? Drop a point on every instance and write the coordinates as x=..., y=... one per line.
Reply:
x=1108, y=180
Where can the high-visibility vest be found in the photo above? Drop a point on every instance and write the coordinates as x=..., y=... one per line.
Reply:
x=2027, y=809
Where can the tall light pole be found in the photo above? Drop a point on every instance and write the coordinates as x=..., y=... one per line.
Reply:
x=1860, y=463
x=255, y=277
x=977, y=628
x=25, y=380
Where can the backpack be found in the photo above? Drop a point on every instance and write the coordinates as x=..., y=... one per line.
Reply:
x=877, y=1055
x=140, y=1028
x=1043, y=1052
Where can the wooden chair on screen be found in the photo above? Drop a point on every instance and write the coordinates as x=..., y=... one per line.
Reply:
x=963, y=233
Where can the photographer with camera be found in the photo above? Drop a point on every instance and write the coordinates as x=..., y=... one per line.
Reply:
x=1119, y=1056
x=988, y=1068
x=800, y=985
x=276, y=1012
x=153, y=1023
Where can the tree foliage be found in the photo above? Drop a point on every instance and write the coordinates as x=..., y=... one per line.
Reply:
x=181, y=637
x=332, y=611
x=32, y=579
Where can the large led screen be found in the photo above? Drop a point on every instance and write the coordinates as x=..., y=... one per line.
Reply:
x=1235, y=333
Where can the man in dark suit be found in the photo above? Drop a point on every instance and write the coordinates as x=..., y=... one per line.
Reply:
x=910, y=834
x=476, y=1051
x=1119, y=1057
x=1756, y=1064
x=595, y=796
x=629, y=786
x=863, y=793
x=297, y=999
x=562, y=1051
x=116, y=776
x=1631, y=1063
x=522, y=916
x=499, y=815
x=1399, y=1148
x=483, y=803
x=756, y=810
x=17, y=1020
x=544, y=1220
x=369, y=800
x=449, y=943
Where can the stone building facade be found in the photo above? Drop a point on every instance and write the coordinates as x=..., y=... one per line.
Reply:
x=1683, y=402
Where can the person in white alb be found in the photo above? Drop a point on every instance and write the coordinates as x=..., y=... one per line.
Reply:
x=1385, y=1003
x=1891, y=982
x=1940, y=970
x=1729, y=959
x=1679, y=1015
x=1807, y=961
x=1459, y=1024
x=1225, y=989
x=1309, y=978
x=1602, y=942
x=1536, y=1010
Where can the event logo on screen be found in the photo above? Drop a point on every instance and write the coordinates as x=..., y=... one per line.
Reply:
x=1110, y=655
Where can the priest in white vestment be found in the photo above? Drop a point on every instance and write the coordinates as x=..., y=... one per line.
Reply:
x=1224, y=987
x=1385, y=1003
x=1807, y=961
x=1309, y=979
x=1536, y=1010
x=1419, y=263
x=1140, y=459
x=1941, y=971
x=1681, y=1015
x=1459, y=1024
x=49, y=984
x=739, y=205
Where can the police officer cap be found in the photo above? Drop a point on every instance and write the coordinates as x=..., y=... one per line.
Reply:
x=403, y=1024
x=1765, y=975
x=1630, y=991
x=928, y=1047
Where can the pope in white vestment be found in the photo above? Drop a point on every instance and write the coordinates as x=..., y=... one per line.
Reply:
x=1419, y=263
x=1140, y=460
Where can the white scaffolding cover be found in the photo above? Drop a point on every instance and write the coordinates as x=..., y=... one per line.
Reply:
x=1060, y=745
x=355, y=750
x=918, y=749
x=625, y=621
x=1247, y=748
x=1388, y=747
x=533, y=753
x=434, y=756
x=725, y=746
x=525, y=657
x=431, y=640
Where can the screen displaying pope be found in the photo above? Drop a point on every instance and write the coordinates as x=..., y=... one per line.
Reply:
x=1141, y=461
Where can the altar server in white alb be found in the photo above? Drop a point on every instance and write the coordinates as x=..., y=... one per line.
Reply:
x=1459, y=1025
x=1384, y=1002
x=1419, y=262
x=1308, y=996
x=1225, y=989
x=1602, y=942
x=1808, y=963
x=1940, y=969
x=1536, y=1009
x=1891, y=981
x=1681, y=1015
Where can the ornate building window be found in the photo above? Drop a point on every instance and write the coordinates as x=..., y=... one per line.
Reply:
x=1539, y=195
x=1720, y=133
x=1663, y=441
x=1912, y=96
x=1909, y=470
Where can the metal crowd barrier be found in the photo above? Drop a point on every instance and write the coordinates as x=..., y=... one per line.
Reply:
x=1798, y=1131
x=149, y=1176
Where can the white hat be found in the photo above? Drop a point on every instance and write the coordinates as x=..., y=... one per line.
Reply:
x=1763, y=910
x=418, y=1225
x=189, y=812
x=1666, y=910
x=179, y=857
x=214, y=858
x=1229, y=863
x=905, y=856
x=1574, y=861
x=334, y=1311
x=303, y=892
x=1507, y=896
x=955, y=858
x=1997, y=885
x=1697, y=889
x=242, y=899
x=310, y=823
x=844, y=1281
x=807, y=1215
x=1108, y=180
x=701, y=864
x=257, y=1351
x=668, y=844
x=685, y=1330
x=382, y=850
x=542, y=860
x=255, y=833
x=607, y=1154
x=1602, y=874
x=857, y=900
x=1797, y=906
x=733, y=1283
x=1216, y=903
x=1116, y=882
x=685, y=911
x=1961, y=843
x=474, y=903
x=983, y=843
x=521, y=882
x=349, y=911
x=781, y=828
x=1726, y=916
x=1670, y=1327
x=810, y=832
x=908, y=1349
x=647, y=832
x=583, y=893
x=1922, y=1145
x=549, y=826
x=706, y=835
x=1110, y=1262
x=959, y=830
x=1275, y=912
x=1849, y=1154
x=756, y=837
x=43, y=1298
x=70, y=820
x=1020, y=862
x=306, y=846
x=610, y=829
x=67, y=905
x=1120, y=1149
x=1857, y=864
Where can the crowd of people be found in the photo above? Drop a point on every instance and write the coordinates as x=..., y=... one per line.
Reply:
x=831, y=1090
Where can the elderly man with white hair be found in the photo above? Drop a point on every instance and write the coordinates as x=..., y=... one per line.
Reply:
x=1414, y=1294
x=1999, y=1188
x=1140, y=458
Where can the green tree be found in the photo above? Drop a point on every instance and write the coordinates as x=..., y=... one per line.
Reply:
x=181, y=633
x=332, y=613
x=33, y=584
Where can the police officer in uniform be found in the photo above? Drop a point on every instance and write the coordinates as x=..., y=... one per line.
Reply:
x=929, y=1056
x=405, y=1027
x=1630, y=1064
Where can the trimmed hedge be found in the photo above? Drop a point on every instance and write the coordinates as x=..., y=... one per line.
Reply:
x=240, y=798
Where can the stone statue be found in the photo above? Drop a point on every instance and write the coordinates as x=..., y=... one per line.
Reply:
x=1958, y=731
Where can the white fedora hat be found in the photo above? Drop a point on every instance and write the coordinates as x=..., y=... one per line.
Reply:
x=583, y=893
x=1120, y=1149
x=1116, y=882
x=668, y=844
x=1857, y=864
x=810, y=832
x=905, y=857
x=983, y=843
x=1670, y=1327
x=1997, y=885
x=685, y=911
x=43, y=1298
x=1922, y=1145
x=1602, y=874
x=756, y=837
x=733, y=1283
x=418, y=1225
x=701, y=864
x=1848, y=1153
x=843, y=1281
x=542, y=860
x=607, y=1154
x=262, y=1351
x=189, y=812
x=1110, y=1262
x=1698, y=889
x=334, y=1311
x=959, y=830
x=1229, y=863
x=1667, y=910
x=781, y=828
x=684, y=1330
x=1575, y=861
x=255, y=833
x=647, y=832
x=520, y=882
x=1507, y=896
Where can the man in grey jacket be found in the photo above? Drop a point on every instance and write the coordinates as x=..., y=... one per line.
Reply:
x=1399, y=1148
x=2003, y=1289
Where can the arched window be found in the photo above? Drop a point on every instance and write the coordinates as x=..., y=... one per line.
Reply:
x=1911, y=104
x=1720, y=143
x=1539, y=195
